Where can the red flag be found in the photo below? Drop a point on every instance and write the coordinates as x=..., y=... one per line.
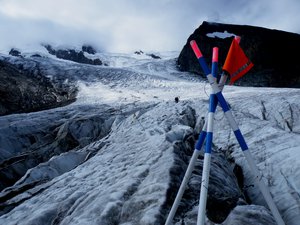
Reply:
x=236, y=63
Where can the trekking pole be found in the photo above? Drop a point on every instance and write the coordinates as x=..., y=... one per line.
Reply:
x=207, y=155
x=228, y=114
x=192, y=162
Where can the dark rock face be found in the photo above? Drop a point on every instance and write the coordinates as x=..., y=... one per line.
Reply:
x=72, y=55
x=269, y=50
x=36, y=55
x=28, y=91
x=154, y=56
x=14, y=52
x=139, y=52
x=89, y=49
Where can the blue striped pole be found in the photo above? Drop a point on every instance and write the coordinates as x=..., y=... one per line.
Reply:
x=228, y=114
x=207, y=155
x=192, y=162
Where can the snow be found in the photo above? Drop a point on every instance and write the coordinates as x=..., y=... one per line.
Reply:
x=221, y=35
x=120, y=171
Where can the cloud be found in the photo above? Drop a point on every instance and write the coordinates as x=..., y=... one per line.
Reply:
x=128, y=25
x=18, y=33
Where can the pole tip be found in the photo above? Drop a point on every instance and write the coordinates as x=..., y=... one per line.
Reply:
x=215, y=55
x=196, y=49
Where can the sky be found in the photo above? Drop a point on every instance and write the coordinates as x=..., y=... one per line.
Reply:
x=130, y=25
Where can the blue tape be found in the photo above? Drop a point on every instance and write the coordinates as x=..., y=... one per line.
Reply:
x=222, y=102
x=200, y=141
x=208, y=145
x=213, y=102
x=204, y=65
x=241, y=140
x=211, y=107
x=214, y=69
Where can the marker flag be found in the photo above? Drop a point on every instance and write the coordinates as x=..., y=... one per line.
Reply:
x=236, y=64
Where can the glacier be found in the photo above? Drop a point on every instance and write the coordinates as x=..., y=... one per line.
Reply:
x=118, y=154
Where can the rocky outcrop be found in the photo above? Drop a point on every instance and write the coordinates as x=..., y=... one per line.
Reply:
x=153, y=56
x=269, y=50
x=14, y=52
x=89, y=49
x=28, y=91
x=73, y=55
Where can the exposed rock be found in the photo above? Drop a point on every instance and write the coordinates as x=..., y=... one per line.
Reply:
x=139, y=52
x=14, y=52
x=154, y=56
x=72, y=55
x=269, y=50
x=28, y=91
x=89, y=49
x=36, y=55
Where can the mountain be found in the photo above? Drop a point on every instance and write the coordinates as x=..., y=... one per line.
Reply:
x=73, y=55
x=274, y=53
x=27, y=90
x=118, y=153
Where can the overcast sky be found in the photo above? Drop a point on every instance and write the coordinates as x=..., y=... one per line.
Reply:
x=129, y=25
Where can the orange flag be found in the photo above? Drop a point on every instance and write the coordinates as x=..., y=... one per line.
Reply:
x=236, y=63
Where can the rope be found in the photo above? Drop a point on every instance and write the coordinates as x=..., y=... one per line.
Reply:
x=204, y=89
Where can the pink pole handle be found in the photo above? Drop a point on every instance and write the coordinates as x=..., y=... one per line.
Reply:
x=215, y=55
x=196, y=49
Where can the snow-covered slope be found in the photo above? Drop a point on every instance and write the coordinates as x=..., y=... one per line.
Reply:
x=118, y=154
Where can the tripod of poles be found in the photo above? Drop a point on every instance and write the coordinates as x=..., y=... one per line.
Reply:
x=216, y=97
